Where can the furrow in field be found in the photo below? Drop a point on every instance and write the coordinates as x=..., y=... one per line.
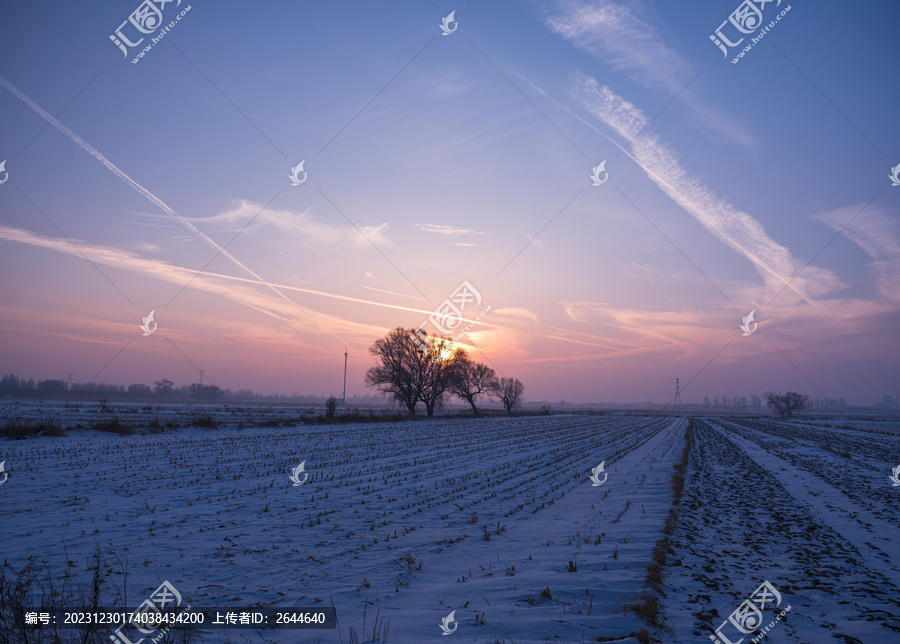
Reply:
x=739, y=527
x=869, y=534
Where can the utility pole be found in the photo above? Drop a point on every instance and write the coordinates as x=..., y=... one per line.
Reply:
x=344, y=394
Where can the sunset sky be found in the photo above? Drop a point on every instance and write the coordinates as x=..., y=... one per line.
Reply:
x=434, y=160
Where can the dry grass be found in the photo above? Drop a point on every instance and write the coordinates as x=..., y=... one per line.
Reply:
x=646, y=607
x=20, y=429
x=34, y=588
x=114, y=426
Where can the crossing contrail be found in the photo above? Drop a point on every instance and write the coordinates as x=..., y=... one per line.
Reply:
x=159, y=203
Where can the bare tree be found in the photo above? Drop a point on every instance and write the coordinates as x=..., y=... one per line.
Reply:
x=438, y=366
x=509, y=391
x=471, y=379
x=786, y=404
x=412, y=371
x=330, y=406
x=395, y=370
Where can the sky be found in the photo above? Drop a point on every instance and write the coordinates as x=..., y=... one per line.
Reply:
x=430, y=160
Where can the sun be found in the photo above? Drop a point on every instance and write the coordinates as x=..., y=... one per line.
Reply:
x=448, y=350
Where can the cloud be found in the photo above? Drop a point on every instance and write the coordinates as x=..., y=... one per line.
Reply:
x=628, y=42
x=734, y=227
x=616, y=34
x=875, y=232
x=646, y=272
x=109, y=165
x=146, y=246
x=295, y=227
x=242, y=290
x=581, y=311
x=516, y=312
x=441, y=229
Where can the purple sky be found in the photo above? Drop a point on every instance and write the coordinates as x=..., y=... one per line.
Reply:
x=433, y=160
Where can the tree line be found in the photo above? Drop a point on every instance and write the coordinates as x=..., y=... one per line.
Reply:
x=413, y=368
x=165, y=389
x=760, y=402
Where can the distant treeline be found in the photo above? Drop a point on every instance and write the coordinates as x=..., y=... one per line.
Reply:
x=14, y=386
x=758, y=403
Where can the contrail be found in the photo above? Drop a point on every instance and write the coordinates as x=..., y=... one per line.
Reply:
x=412, y=297
x=159, y=203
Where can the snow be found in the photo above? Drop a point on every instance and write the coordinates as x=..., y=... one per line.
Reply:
x=390, y=526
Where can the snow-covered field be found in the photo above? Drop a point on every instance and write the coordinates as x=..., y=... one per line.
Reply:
x=398, y=524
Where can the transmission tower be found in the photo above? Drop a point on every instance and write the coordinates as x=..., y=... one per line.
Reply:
x=677, y=400
x=201, y=375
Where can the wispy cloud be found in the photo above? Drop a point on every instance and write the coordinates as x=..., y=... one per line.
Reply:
x=244, y=291
x=877, y=233
x=581, y=311
x=109, y=165
x=134, y=185
x=625, y=38
x=442, y=229
x=734, y=227
x=294, y=226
